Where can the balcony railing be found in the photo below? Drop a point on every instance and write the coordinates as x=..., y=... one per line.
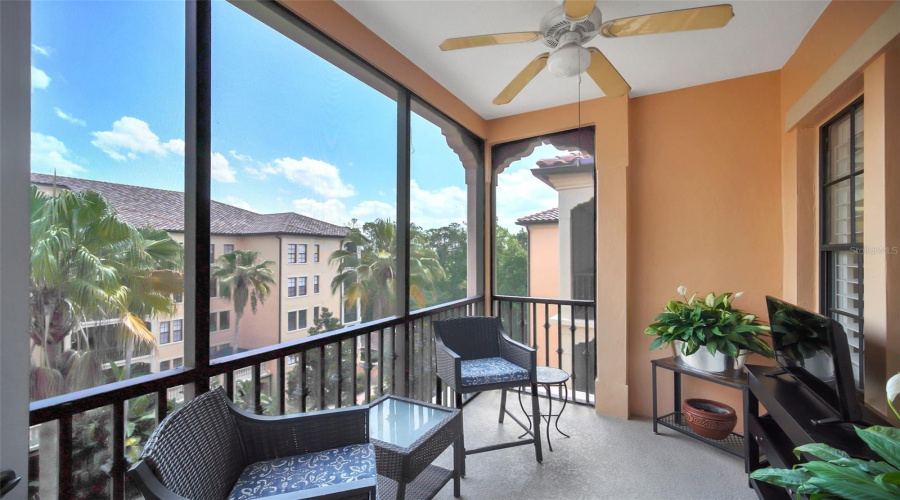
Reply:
x=562, y=331
x=346, y=367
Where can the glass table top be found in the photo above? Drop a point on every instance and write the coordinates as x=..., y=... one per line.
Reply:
x=548, y=375
x=401, y=423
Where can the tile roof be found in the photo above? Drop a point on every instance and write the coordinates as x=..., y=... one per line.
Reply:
x=551, y=215
x=142, y=206
x=568, y=160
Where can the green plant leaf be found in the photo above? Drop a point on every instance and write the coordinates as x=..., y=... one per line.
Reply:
x=889, y=482
x=846, y=482
x=788, y=478
x=821, y=451
x=885, y=441
x=872, y=467
x=657, y=343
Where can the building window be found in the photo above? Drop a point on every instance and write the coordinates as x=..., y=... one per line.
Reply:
x=178, y=363
x=842, y=227
x=315, y=284
x=301, y=285
x=292, y=287
x=292, y=253
x=296, y=320
x=213, y=322
x=213, y=288
x=178, y=298
x=164, y=332
x=302, y=254
x=177, y=327
x=164, y=365
x=212, y=253
x=228, y=248
x=291, y=360
x=224, y=320
x=316, y=254
x=315, y=313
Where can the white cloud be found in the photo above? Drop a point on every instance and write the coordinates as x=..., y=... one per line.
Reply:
x=333, y=211
x=371, y=210
x=175, y=146
x=240, y=157
x=69, y=118
x=39, y=79
x=237, y=202
x=220, y=169
x=519, y=193
x=323, y=178
x=128, y=138
x=48, y=154
x=44, y=51
x=437, y=208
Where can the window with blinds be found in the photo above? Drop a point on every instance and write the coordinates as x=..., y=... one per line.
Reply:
x=842, y=205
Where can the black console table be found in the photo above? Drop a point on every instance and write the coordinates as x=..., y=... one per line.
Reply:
x=735, y=443
x=793, y=411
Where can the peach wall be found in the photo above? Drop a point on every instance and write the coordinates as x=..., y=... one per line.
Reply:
x=704, y=210
x=543, y=281
x=337, y=23
x=839, y=26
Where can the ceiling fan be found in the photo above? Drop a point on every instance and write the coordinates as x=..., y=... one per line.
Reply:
x=568, y=27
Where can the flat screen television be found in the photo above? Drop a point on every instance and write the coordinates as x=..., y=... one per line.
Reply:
x=814, y=350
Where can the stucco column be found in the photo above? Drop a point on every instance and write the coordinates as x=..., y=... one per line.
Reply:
x=881, y=262
x=799, y=187
x=611, y=386
x=471, y=225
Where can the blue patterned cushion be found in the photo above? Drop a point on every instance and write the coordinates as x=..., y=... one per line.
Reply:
x=303, y=472
x=491, y=371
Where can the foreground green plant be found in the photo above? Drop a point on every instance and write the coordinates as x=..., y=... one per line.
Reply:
x=712, y=323
x=836, y=474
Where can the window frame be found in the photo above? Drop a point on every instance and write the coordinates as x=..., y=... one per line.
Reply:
x=301, y=253
x=292, y=253
x=301, y=286
x=179, y=330
x=225, y=248
x=827, y=250
x=291, y=287
x=316, y=253
x=227, y=316
x=316, y=284
x=165, y=328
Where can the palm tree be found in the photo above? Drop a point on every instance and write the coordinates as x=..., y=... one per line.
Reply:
x=367, y=268
x=242, y=279
x=89, y=265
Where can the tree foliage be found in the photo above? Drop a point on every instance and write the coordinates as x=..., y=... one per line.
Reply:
x=512, y=262
x=243, y=279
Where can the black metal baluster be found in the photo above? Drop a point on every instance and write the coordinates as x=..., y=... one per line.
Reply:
x=340, y=374
x=321, y=388
x=229, y=384
x=523, y=324
x=572, y=354
x=534, y=335
x=393, y=377
x=304, y=389
x=162, y=404
x=118, y=452
x=65, y=456
x=282, y=383
x=559, y=349
x=547, y=333
x=257, y=388
x=381, y=363
x=368, y=368
x=588, y=367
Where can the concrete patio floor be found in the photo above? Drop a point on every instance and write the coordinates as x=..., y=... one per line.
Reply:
x=606, y=457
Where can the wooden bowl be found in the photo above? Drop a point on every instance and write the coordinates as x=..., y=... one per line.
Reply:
x=710, y=419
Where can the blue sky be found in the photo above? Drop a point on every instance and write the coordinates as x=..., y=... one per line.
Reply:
x=291, y=132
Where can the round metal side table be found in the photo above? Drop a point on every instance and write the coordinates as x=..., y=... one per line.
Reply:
x=547, y=377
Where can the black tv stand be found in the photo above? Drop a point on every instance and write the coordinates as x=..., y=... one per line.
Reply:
x=796, y=417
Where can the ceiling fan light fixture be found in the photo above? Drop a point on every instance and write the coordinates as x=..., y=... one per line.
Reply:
x=569, y=60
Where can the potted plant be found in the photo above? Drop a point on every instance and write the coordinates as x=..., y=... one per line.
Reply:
x=709, y=334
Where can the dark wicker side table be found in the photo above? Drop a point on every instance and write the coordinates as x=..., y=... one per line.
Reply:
x=408, y=435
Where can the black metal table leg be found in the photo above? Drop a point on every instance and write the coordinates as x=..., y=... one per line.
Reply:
x=549, y=414
x=655, y=419
x=565, y=403
x=676, y=387
x=457, y=463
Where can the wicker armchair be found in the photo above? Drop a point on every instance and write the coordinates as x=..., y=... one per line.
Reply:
x=209, y=449
x=475, y=354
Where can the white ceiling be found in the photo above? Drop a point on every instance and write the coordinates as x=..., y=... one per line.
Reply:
x=761, y=37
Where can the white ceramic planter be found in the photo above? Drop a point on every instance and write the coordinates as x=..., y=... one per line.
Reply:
x=718, y=363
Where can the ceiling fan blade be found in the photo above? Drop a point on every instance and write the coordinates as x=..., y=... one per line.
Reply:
x=467, y=42
x=578, y=9
x=702, y=18
x=521, y=80
x=605, y=75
